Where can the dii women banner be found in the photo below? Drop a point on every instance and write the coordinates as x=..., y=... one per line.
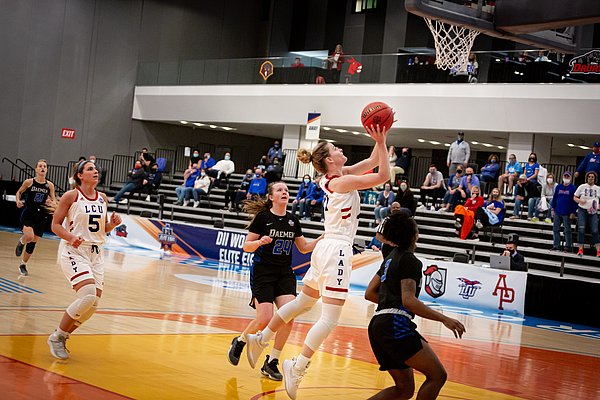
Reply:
x=181, y=239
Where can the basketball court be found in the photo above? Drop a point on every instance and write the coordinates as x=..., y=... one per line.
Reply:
x=164, y=327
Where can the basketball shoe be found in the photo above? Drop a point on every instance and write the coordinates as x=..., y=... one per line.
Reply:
x=57, y=343
x=292, y=376
x=23, y=269
x=235, y=351
x=19, y=249
x=255, y=347
x=270, y=370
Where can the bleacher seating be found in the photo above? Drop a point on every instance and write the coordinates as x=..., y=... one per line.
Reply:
x=436, y=239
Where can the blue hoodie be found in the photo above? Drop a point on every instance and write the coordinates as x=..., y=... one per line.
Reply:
x=258, y=186
x=562, y=201
x=304, y=186
x=590, y=163
x=315, y=193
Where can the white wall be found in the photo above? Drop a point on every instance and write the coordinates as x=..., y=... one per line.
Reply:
x=534, y=108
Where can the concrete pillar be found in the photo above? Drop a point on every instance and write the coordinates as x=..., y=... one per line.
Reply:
x=294, y=138
x=542, y=146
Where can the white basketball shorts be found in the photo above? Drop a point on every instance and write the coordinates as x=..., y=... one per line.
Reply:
x=85, y=262
x=330, y=268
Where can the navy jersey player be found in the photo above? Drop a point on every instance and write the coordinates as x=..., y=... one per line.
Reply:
x=36, y=198
x=397, y=345
x=272, y=233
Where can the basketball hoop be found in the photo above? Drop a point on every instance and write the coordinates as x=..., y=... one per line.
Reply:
x=452, y=44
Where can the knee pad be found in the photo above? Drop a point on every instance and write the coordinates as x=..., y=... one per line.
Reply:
x=300, y=305
x=86, y=297
x=330, y=315
x=29, y=247
x=88, y=314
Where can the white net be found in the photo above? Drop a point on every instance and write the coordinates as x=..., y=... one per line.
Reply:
x=452, y=44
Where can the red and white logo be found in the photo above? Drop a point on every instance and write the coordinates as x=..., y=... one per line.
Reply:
x=507, y=294
x=67, y=133
x=588, y=63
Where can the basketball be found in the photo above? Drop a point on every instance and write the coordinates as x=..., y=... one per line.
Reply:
x=377, y=113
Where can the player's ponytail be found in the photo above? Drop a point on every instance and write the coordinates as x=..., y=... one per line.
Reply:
x=317, y=157
x=259, y=204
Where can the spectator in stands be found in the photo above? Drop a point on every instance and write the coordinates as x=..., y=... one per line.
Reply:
x=207, y=162
x=587, y=196
x=520, y=194
x=563, y=208
x=153, y=179
x=297, y=63
x=275, y=151
x=201, y=186
x=492, y=212
x=300, y=200
x=146, y=158
x=137, y=178
x=101, y=171
x=314, y=199
x=547, y=193
x=534, y=196
x=532, y=169
x=472, y=68
x=458, y=153
x=433, y=186
x=223, y=168
x=513, y=170
x=185, y=191
x=263, y=163
x=452, y=194
x=336, y=61
x=195, y=158
x=258, y=185
x=517, y=261
x=591, y=162
x=403, y=162
x=541, y=56
x=464, y=216
x=242, y=191
x=489, y=172
x=385, y=199
x=467, y=182
x=393, y=157
x=405, y=199
x=374, y=244
x=274, y=171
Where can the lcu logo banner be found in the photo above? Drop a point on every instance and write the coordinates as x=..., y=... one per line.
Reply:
x=468, y=288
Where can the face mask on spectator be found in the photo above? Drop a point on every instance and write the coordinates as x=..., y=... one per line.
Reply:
x=276, y=145
x=275, y=162
x=531, y=159
x=258, y=175
x=196, y=154
x=512, y=160
x=550, y=180
x=495, y=195
x=431, y=170
x=227, y=158
x=202, y=173
x=403, y=186
x=92, y=161
x=494, y=161
x=459, y=171
x=469, y=173
x=155, y=170
x=459, y=138
x=387, y=188
x=566, y=181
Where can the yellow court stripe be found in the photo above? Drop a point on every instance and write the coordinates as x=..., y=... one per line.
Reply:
x=195, y=366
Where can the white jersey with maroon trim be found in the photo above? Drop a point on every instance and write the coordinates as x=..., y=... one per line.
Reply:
x=87, y=218
x=341, y=210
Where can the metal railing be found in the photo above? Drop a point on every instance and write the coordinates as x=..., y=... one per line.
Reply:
x=120, y=167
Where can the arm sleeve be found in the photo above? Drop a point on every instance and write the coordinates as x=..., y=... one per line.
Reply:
x=298, y=226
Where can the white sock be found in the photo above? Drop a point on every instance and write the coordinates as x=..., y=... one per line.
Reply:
x=23, y=262
x=267, y=335
x=301, y=362
x=60, y=332
x=275, y=354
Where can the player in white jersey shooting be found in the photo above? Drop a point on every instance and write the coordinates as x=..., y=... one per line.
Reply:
x=331, y=262
x=81, y=259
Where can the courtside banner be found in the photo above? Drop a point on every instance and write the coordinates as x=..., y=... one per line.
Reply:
x=313, y=126
x=187, y=240
x=465, y=285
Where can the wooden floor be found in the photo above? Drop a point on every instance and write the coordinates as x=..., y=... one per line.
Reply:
x=164, y=327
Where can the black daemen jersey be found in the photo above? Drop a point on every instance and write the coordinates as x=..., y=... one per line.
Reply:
x=283, y=230
x=397, y=266
x=36, y=195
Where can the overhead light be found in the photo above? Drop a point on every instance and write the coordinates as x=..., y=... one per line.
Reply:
x=487, y=145
x=213, y=126
x=570, y=145
x=474, y=142
x=227, y=128
x=497, y=60
x=501, y=147
x=421, y=140
x=434, y=142
x=183, y=122
x=329, y=140
x=516, y=72
x=326, y=128
x=356, y=133
x=196, y=123
x=447, y=144
x=341, y=130
x=584, y=147
x=366, y=134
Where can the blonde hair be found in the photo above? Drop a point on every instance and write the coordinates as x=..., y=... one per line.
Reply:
x=260, y=204
x=316, y=157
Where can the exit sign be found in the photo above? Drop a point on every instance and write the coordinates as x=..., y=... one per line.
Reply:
x=67, y=133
